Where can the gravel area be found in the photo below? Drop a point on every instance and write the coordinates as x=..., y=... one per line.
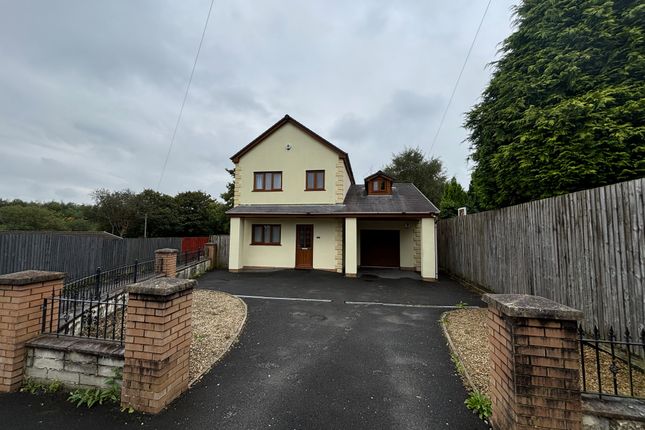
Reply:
x=468, y=331
x=217, y=322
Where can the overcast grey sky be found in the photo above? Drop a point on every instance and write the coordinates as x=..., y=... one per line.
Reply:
x=90, y=90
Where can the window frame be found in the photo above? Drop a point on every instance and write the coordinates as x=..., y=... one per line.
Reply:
x=383, y=186
x=264, y=181
x=315, y=173
x=264, y=241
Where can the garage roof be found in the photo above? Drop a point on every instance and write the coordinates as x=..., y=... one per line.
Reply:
x=405, y=198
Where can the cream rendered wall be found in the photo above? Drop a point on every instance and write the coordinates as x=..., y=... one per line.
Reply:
x=428, y=249
x=351, y=247
x=284, y=255
x=406, y=238
x=234, y=253
x=271, y=155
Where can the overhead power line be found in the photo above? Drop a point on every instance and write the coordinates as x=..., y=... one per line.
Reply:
x=461, y=72
x=183, y=103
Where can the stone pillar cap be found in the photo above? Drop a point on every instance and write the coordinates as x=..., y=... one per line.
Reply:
x=527, y=306
x=27, y=277
x=166, y=251
x=161, y=286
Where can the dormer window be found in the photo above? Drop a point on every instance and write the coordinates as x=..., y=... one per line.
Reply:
x=379, y=183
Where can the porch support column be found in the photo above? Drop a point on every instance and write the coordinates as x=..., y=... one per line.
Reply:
x=236, y=240
x=428, y=250
x=351, y=247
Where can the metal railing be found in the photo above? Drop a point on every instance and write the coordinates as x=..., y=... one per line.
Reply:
x=617, y=366
x=102, y=318
x=186, y=257
x=103, y=283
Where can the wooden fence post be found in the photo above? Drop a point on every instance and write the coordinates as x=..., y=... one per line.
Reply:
x=211, y=253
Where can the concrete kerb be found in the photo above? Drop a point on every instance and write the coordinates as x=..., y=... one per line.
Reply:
x=232, y=341
x=455, y=352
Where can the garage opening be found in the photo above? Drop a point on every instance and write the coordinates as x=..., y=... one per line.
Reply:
x=380, y=248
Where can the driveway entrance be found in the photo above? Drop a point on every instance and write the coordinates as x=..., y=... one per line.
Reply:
x=319, y=351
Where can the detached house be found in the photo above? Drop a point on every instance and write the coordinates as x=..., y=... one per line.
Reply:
x=297, y=205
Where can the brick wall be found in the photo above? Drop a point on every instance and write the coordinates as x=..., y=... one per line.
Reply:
x=158, y=337
x=21, y=298
x=166, y=262
x=535, y=363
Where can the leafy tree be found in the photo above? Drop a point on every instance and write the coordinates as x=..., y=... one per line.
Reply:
x=162, y=214
x=228, y=195
x=117, y=208
x=411, y=165
x=565, y=108
x=197, y=215
x=454, y=197
x=24, y=217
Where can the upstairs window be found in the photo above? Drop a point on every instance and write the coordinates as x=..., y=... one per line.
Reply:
x=379, y=183
x=267, y=181
x=315, y=180
x=266, y=234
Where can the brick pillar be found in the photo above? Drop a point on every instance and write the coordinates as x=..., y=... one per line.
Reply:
x=534, y=379
x=157, y=343
x=166, y=262
x=21, y=299
x=211, y=253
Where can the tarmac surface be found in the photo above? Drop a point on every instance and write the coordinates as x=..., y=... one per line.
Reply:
x=318, y=351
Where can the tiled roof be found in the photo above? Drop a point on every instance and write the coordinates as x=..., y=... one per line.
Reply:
x=405, y=199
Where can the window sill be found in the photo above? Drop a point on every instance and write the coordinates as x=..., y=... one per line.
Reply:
x=317, y=189
x=266, y=244
x=266, y=191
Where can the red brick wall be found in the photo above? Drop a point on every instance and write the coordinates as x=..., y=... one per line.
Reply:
x=535, y=373
x=20, y=314
x=157, y=350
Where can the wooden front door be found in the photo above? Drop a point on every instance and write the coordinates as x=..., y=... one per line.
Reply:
x=304, y=246
x=380, y=248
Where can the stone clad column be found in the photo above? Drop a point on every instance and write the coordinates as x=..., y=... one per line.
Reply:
x=157, y=343
x=21, y=300
x=166, y=262
x=534, y=379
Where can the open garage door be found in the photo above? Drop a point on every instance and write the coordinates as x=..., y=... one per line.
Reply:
x=380, y=248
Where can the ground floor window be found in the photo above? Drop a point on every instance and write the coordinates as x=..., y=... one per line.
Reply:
x=266, y=234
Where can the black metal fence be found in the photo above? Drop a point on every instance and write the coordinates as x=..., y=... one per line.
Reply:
x=186, y=257
x=103, y=283
x=612, y=367
x=102, y=318
x=95, y=306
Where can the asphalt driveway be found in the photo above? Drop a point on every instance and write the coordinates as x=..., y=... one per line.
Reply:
x=318, y=351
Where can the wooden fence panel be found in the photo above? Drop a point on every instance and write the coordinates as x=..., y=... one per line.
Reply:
x=222, y=241
x=77, y=254
x=585, y=249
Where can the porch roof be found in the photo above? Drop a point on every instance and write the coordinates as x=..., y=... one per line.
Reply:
x=405, y=200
